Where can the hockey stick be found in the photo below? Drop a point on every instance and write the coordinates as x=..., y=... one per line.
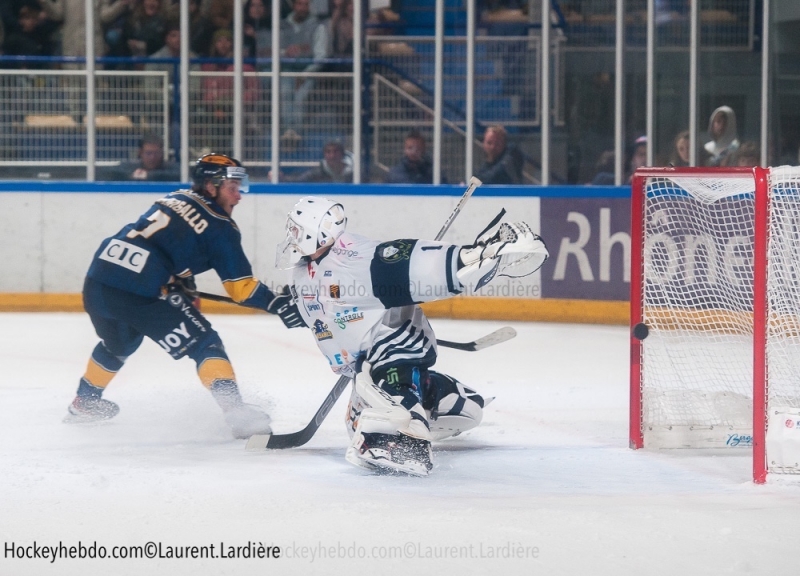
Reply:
x=474, y=184
x=261, y=442
x=495, y=337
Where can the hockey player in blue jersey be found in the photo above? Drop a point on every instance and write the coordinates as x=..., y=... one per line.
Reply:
x=140, y=283
x=359, y=298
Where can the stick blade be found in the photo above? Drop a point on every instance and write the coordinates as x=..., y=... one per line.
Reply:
x=257, y=442
x=496, y=337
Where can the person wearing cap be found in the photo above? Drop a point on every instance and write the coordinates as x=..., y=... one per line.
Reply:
x=140, y=283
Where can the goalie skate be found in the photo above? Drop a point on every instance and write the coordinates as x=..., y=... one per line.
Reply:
x=393, y=454
x=86, y=409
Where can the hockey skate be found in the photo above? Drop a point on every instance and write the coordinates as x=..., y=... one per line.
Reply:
x=90, y=409
x=245, y=420
x=391, y=454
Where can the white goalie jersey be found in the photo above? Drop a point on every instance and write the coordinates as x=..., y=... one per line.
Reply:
x=359, y=299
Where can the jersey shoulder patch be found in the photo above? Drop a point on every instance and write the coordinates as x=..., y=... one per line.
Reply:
x=395, y=251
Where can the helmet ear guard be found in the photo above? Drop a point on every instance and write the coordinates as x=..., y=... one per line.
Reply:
x=312, y=223
x=216, y=168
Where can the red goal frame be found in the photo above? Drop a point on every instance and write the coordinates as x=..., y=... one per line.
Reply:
x=760, y=304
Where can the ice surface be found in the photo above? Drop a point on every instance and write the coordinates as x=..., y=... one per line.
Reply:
x=549, y=468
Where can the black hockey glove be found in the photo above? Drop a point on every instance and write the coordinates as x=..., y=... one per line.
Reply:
x=284, y=306
x=185, y=285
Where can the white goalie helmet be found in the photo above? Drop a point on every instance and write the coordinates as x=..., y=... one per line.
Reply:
x=312, y=223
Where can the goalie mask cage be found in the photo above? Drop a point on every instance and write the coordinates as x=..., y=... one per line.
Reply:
x=715, y=277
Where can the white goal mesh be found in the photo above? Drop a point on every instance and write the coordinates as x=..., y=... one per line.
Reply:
x=697, y=295
x=718, y=288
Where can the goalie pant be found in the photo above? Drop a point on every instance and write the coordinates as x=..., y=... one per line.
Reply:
x=360, y=302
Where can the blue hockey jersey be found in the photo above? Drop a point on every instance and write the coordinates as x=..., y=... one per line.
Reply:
x=182, y=234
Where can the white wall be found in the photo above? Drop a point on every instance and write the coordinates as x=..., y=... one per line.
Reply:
x=47, y=239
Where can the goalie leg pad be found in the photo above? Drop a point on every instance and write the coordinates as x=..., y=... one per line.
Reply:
x=454, y=409
x=385, y=434
x=390, y=403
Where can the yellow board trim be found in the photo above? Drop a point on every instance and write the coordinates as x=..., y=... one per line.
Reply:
x=462, y=307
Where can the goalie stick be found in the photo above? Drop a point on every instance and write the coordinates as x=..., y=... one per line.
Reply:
x=474, y=184
x=261, y=442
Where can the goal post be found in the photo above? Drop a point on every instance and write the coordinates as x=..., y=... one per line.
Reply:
x=715, y=312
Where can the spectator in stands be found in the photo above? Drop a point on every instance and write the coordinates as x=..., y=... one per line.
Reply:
x=72, y=16
x=638, y=156
x=335, y=166
x=217, y=91
x=748, y=154
x=257, y=30
x=341, y=28
x=170, y=49
x=415, y=167
x=151, y=165
x=145, y=28
x=201, y=30
x=604, y=169
x=503, y=162
x=31, y=37
x=680, y=150
x=220, y=12
x=724, y=139
x=302, y=36
x=113, y=34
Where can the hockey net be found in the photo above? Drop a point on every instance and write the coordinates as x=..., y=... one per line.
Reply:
x=716, y=281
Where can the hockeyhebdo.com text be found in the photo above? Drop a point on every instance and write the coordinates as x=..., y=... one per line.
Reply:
x=318, y=552
x=411, y=550
x=501, y=288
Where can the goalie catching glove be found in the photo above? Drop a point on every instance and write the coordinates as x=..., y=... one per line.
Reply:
x=283, y=305
x=503, y=249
